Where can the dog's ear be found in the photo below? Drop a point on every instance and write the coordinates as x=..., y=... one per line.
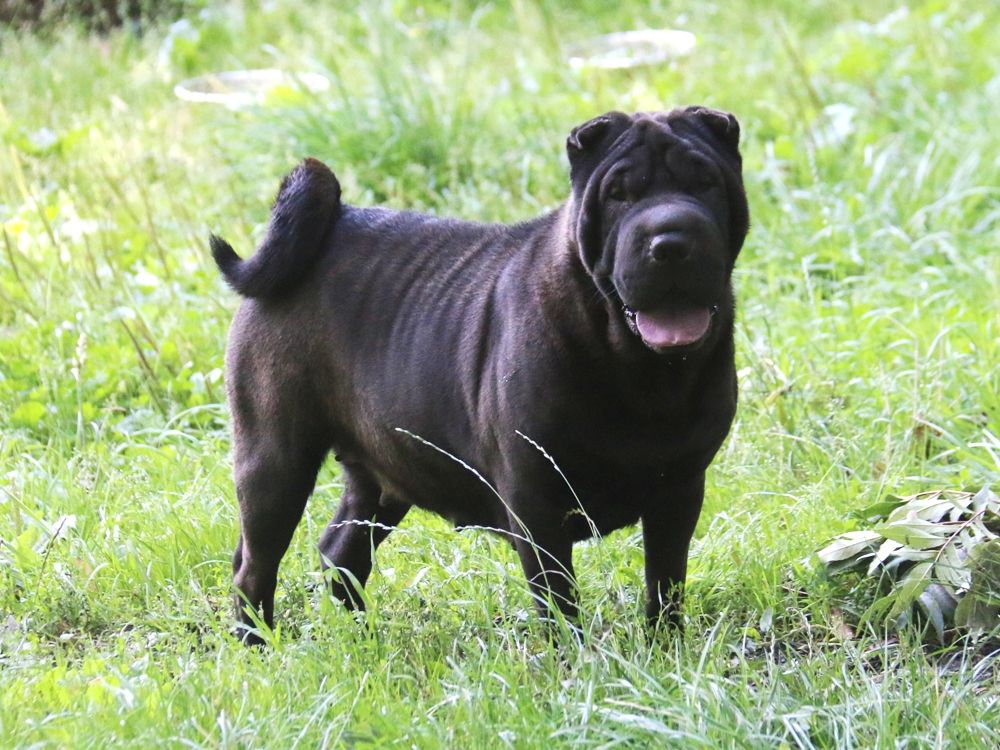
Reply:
x=722, y=124
x=587, y=146
x=585, y=138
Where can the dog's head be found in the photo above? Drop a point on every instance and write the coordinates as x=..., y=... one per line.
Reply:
x=659, y=215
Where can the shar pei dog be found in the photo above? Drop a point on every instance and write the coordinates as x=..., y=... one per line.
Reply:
x=549, y=380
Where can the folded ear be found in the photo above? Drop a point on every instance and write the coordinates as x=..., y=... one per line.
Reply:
x=722, y=124
x=587, y=136
x=584, y=136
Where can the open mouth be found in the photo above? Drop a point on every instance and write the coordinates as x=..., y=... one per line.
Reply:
x=672, y=326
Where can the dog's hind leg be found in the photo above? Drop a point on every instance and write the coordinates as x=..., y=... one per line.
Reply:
x=273, y=481
x=362, y=522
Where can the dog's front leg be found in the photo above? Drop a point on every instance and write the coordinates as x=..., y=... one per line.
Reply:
x=667, y=528
x=546, y=554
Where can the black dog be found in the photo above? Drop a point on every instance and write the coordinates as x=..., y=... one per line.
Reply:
x=550, y=380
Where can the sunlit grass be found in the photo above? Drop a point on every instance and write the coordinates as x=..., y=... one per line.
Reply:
x=867, y=341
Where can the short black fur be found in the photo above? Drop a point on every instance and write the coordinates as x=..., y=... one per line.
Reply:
x=601, y=332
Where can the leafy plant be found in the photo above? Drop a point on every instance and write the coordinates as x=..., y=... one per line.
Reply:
x=939, y=552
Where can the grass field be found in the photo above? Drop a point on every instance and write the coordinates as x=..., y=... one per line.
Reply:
x=868, y=347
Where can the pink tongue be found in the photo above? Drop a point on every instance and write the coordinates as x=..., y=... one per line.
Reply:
x=667, y=327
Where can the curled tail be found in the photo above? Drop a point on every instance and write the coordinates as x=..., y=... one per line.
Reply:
x=307, y=207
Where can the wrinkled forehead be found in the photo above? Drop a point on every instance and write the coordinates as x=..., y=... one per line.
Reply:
x=654, y=128
x=655, y=132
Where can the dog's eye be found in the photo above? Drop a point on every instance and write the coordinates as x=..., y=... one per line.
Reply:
x=694, y=172
x=616, y=189
x=702, y=176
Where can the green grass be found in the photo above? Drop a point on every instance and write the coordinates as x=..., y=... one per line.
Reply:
x=868, y=345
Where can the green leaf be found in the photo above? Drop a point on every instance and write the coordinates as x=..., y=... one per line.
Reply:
x=939, y=606
x=885, y=550
x=986, y=500
x=910, y=587
x=929, y=509
x=976, y=616
x=915, y=532
x=914, y=555
x=985, y=564
x=952, y=568
x=848, y=545
x=880, y=510
x=979, y=609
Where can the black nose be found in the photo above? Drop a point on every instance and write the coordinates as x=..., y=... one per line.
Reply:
x=671, y=247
